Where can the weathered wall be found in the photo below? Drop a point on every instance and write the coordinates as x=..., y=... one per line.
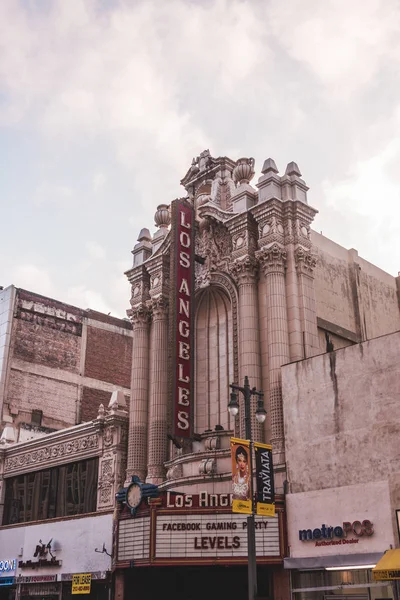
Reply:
x=342, y=418
x=63, y=361
x=353, y=294
x=108, y=354
x=341, y=408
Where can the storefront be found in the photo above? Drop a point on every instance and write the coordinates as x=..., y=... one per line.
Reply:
x=336, y=537
x=49, y=554
x=8, y=566
x=203, y=544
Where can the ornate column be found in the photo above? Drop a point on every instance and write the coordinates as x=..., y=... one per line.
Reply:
x=273, y=262
x=305, y=265
x=138, y=413
x=245, y=272
x=158, y=410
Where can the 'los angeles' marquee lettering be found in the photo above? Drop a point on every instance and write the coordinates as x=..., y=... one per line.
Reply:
x=183, y=319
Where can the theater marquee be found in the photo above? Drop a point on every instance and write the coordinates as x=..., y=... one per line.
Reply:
x=191, y=537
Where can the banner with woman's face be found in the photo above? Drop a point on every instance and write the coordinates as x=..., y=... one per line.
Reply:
x=242, y=492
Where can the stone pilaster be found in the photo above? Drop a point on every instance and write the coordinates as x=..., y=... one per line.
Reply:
x=273, y=263
x=158, y=396
x=245, y=272
x=112, y=461
x=305, y=262
x=138, y=414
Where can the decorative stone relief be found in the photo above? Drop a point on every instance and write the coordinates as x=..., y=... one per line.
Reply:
x=175, y=472
x=69, y=450
x=272, y=259
x=140, y=316
x=207, y=466
x=108, y=437
x=159, y=307
x=106, y=480
x=214, y=244
x=244, y=270
x=212, y=443
x=305, y=261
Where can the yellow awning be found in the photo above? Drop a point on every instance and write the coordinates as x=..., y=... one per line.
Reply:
x=388, y=568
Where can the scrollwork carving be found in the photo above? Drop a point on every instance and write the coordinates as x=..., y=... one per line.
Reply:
x=52, y=453
x=175, y=472
x=272, y=259
x=207, y=466
x=305, y=261
x=244, y=270
x=140, y=316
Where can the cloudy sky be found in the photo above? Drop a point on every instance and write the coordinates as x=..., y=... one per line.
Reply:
x=104, y=103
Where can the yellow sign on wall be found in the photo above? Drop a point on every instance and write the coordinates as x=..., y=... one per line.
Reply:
x=81, y=583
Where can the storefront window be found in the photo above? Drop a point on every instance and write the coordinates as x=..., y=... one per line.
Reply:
x=354, y=584
x=59, y=492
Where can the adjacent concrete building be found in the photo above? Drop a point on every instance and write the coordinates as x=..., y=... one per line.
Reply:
x=342, y=432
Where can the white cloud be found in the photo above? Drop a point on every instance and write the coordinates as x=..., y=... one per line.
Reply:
x=32, y=277
x=96, y=251
x=84, y=297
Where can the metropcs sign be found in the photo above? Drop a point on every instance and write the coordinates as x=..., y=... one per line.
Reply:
x=325, y=536
x=182, y=282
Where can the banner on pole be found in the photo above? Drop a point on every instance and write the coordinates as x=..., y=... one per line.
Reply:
x=242, y=495
x=265, y=495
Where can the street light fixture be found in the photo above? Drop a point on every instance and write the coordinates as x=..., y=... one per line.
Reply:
x=261, y=413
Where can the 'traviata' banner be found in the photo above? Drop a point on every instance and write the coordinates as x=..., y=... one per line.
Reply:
x=265, y=504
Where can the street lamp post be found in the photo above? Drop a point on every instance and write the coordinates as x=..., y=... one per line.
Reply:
x=261, y=413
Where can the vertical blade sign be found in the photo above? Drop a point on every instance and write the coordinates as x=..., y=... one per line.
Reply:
x=182, y=281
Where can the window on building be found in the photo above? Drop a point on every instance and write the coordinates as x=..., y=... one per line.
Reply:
x=36, y=417
x=58, y=492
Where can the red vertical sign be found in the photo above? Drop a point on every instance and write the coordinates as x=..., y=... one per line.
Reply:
x=183, y=222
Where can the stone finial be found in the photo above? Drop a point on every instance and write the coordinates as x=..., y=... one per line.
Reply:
x=244, y=171
x=117, y=401
x=144, y=235
x=102, y=413
x=292, y=169
x=162, y=218
x=8, y=435
x=269, y=166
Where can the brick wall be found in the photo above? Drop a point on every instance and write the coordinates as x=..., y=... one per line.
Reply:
x=57, y=399
x=108, y=356
x=42, y=344
x=91, y=400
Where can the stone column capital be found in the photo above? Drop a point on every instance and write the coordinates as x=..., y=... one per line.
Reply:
x=244, y=270
x=272, y=259
x=305, y=261
x=159, y=308
x=139, y=315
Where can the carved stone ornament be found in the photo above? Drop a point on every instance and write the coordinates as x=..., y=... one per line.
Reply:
x=305, y=261
x=212, y=443
x=159, y=307
x=244, y=270
x=106, y=480
x=52, y=454
x=140, y=316
x=207, y=466
x=214, y=245
x=175, y=472
x=108, y=437
x=272, y=259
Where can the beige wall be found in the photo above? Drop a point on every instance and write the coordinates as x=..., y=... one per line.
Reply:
x=353, y=294
x=342, y=418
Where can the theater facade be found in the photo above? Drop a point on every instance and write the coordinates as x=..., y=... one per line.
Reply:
x=234, y=283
